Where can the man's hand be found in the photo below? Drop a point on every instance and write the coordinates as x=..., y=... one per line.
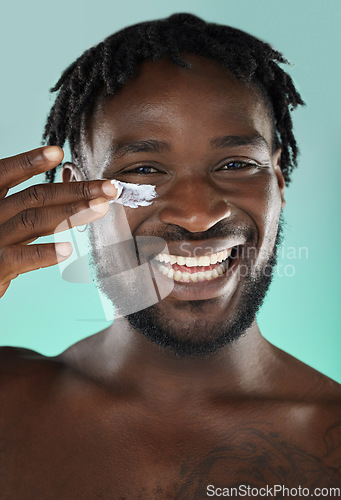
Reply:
x=39, y=210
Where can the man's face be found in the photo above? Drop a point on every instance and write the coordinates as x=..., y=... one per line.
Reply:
x=205, y=141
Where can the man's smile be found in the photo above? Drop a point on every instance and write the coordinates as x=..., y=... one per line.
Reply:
x=193, y=269
x=199, y=277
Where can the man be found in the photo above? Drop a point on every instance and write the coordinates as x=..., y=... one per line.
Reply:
x=185, y=398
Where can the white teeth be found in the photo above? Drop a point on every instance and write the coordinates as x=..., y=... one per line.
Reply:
x=181, y=261
x=191, y=262
x=177, y=275
x=215, y=273
x=204, y=261
x=172, y=259
x=193, y=277
x=227, y=253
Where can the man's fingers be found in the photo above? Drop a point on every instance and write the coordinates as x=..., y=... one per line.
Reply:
x=19, y=168
x=35, y=222
x=19, y=259
x=41, y=210
x=60, y=193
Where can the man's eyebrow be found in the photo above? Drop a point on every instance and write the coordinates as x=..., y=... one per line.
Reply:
x=121, y=149
x=228, y=141
x=149, y=146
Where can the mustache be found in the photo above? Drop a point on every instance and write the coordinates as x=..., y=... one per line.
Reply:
x=220, y=230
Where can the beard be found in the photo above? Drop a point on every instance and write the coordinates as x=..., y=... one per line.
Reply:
x=200, y=337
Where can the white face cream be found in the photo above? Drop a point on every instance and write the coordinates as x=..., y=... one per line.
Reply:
x=133, y=195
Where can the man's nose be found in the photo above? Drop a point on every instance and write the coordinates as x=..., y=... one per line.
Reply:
x=195, y=205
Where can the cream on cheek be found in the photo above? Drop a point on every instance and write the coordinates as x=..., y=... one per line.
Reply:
x=133, y=195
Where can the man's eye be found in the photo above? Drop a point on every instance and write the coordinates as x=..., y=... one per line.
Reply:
x=237, y=165
x=143, y=169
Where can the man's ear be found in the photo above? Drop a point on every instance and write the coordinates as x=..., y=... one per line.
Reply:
x=71, y=173
x=276, y=162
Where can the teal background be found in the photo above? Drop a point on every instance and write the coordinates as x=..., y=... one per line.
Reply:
x=38, y=39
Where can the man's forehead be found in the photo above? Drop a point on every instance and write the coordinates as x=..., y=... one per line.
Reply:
x=156, y=80
x=163, y=97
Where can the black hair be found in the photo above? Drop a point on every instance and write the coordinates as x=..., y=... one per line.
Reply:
x=102, y=70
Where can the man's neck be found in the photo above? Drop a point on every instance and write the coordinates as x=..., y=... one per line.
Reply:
x=121, y=356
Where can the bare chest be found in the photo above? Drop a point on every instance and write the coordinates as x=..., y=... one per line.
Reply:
x=81, y=453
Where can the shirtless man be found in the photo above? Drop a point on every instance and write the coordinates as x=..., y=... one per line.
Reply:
x=184, y=399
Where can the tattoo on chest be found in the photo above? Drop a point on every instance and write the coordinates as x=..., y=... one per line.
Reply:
x=258, y=459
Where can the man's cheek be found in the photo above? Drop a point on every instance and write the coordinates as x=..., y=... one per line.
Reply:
x=264, y=209
x=113, y=228
x=121, y=264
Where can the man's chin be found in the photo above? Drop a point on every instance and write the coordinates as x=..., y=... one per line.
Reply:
x=193, y=330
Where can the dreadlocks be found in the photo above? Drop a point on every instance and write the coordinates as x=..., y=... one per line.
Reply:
x=102, y=70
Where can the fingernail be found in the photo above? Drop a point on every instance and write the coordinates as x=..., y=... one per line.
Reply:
x=109, y=189
x=64, y=249
x=118, y=187
x=99, y=205
x=52, y=153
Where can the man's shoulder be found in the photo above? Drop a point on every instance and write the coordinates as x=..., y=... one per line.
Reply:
x=321, y=387
x=32, y=384
x=309, y=406
x=11, y=352
x=16, y=361
x=299, y=381
x=25, y=373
